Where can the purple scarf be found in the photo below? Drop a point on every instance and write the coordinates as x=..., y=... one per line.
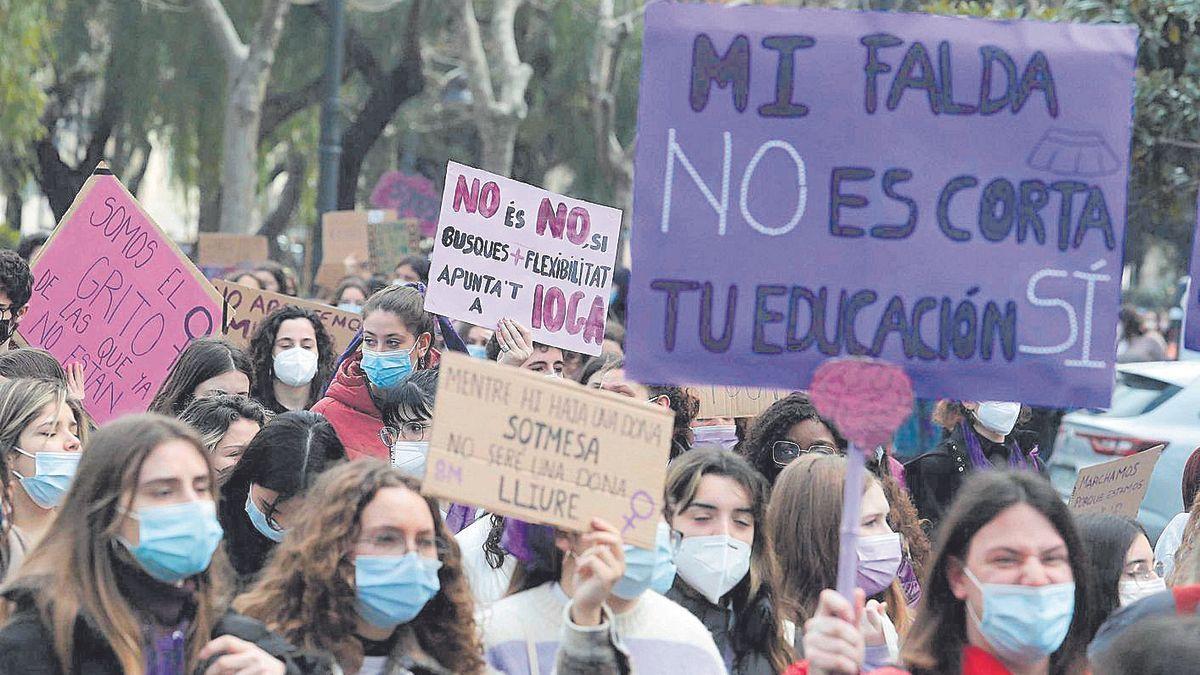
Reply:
x=1016, y=457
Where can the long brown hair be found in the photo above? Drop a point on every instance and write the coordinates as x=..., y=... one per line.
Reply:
x=72, y=571
x=937, y=638
x=306, y=593
x=804, y=520
x=758, y=621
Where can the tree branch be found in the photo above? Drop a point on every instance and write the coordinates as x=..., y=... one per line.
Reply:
x=479, y=79
x=233, y=50
x=515, y=74
x=280, y=106
x=358, y=55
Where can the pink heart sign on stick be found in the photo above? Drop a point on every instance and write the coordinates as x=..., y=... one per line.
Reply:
x=868, y=400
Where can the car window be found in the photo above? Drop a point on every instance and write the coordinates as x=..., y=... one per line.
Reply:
x=1137, y=395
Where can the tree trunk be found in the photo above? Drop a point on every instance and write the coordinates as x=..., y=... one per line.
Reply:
x=499, y=110
x=498, y=138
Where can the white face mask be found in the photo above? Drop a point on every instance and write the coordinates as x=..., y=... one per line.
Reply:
x=296, y=367
x=1130, y=591
x=409, y=457
x=998, y=416
x=712, y=565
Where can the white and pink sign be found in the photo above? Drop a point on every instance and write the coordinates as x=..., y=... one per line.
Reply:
x=505, y=249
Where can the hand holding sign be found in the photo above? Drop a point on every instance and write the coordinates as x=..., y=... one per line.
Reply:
x=868, y=400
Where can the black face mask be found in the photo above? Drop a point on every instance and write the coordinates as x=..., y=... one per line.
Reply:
x=7, y=328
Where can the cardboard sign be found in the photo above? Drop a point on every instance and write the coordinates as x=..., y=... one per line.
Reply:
x=220, y=250
x=344, y=235
x=505, y=249
x=718, y=401
x=943, y=193
x=1117, y=487
x=409, y=195
x=547, y=451
x=111, y=291
x=249, y=306
x=390, y=242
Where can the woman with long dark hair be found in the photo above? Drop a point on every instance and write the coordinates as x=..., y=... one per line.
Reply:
x=293, y=359
x=370, y=574
x=129, y=579
x=260, y=502
x=207, y=367
x=1120, y=562
x=1007, y=592
x=726, y=574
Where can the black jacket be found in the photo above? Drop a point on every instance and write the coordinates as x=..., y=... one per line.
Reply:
x=934, y=477
x=719, y=622
x=27, y=646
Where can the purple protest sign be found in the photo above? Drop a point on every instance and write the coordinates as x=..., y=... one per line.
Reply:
x=1191, y=327
x=946, y=194
x=412, y=196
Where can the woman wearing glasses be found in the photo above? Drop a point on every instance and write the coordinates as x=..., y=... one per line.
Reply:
x=260, y=500
x=1120, y=562
x=803, y=521
x=370, y=574
x=791, y=427
x=407, y=410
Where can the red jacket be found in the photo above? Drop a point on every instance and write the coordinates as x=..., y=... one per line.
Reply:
x=975, y=661
x=349, y=408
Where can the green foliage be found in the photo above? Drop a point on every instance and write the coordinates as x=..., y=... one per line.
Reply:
x=26, y=27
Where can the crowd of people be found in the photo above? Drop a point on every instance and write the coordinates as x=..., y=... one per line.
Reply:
x=265, y=516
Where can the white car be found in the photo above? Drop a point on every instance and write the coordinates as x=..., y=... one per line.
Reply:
x=1153, y=403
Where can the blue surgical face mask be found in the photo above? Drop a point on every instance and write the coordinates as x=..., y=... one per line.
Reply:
x=259, y=520
x=477, y=351
x=386, y=369
x=350, y=307
x=176, y=541
x=392, y=590
x=1024, y=624
x=53, y=473
x=648, y=569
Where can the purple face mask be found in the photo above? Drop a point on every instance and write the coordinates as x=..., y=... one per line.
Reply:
x=723, y=436
x=878, y=562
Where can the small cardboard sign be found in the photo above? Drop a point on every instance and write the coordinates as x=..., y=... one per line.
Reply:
x=247, y=307
x=111, y=291
x=1117, y=487
x=344, y=235
x=547, y=451
x=391, y=241
x=718, y=401
x=506, y=249
x=221, y=250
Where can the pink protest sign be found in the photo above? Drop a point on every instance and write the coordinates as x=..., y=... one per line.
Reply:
x=412, y=196
x=112, y=292
x=868, y=400
x=505, y=249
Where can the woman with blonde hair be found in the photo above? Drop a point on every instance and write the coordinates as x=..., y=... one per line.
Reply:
x=370, y=574
x=39, y=451
x=803, y=521
x=128, y=579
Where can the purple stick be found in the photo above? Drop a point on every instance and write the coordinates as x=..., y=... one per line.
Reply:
x=851, y=508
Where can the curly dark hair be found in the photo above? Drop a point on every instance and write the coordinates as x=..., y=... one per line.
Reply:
x=262, y=344
x=15, y=279
x=307, y=594
x=773, y=425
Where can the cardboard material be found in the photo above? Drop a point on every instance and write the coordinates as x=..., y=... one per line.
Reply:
x=344, y=235
x=717, y=401
x=1117, y=487
x=391, y=241
x=545, y=450
x=505, y=249
x=249, y=306
x=113, y=292
x=217, y=249
x=944, y=193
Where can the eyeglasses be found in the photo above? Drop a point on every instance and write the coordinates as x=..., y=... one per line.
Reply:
x=408, y=431
x=1141, y=572
x=394, y=543
x=784, y=452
